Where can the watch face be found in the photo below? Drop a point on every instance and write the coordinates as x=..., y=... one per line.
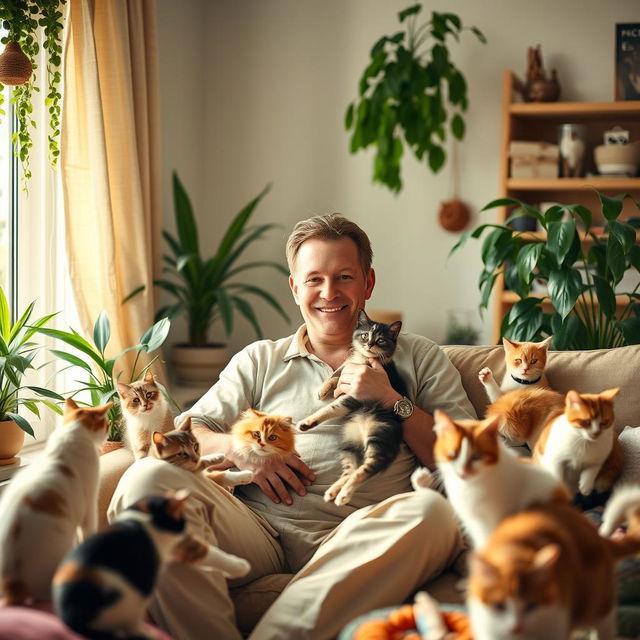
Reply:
x=404, y=408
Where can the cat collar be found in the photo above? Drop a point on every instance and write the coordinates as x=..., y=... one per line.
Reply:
x=522, y=381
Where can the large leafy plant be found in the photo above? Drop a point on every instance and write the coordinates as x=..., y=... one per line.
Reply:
x=101, y=373
x=17, y=352
x=581, y=269
x=24, y=20
x=406, y=89
x=205, y=289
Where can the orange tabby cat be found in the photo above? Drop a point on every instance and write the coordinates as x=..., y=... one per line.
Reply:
x=546, y=572
x=580, y=446
x=524, y=362
x=257, y=436
x=524, y=413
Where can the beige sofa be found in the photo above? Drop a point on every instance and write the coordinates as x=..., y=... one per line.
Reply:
x=585, y=371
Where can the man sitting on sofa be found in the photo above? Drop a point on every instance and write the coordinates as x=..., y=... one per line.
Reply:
x=369, y=553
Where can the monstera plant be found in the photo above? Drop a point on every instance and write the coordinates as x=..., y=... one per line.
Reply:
x=410, y=90
x=587, y=305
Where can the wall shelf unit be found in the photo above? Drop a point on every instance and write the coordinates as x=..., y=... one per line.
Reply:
x=540, y=121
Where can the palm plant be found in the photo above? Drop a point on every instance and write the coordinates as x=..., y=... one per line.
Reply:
x=204, y=289
x=17, y=352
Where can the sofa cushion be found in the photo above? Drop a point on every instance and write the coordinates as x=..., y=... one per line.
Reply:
x=584, y=371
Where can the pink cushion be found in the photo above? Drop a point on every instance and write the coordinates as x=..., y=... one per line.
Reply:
x=24, y=623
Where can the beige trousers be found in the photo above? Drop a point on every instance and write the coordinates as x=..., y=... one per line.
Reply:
x=376, y=557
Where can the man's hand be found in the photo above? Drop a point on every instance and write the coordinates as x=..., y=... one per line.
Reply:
x=366, y=382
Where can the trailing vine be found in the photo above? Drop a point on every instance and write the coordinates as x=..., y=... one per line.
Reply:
x=23, y=20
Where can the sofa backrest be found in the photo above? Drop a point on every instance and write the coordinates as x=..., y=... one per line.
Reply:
x=584, y=371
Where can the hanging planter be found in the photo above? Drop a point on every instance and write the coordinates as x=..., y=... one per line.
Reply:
x=15, y=66
x=29, y=25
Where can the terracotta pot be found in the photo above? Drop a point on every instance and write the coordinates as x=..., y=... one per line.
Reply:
x=199, y=365
x=11, y=442
x=15, y=66
x=110, y=445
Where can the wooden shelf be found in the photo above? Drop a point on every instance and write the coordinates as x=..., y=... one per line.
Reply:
x=573, y=184
x=596, y=110
x=511, y=297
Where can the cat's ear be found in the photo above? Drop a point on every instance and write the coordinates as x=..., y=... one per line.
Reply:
x=546, y=343
x=442, y=422
x=545, y=560
x=573, y=399
x=103, y=409
x=395, y=327
x=177, y=501
x=159, y=439
x=509, y=345
x=491, y=425
x=70, y=404
x=287, y=423
x=185, y=425
x=149, y=377
x=253, y=413
x=610, y=394
x=123, y=389
x=482, y=570
x=363, y=318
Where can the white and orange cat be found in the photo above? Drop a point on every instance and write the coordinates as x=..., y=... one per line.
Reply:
x=523, y=414
x=484, y=480
x=546, y=572
x=46, y=504
x=580, y=446
x=256, y=436
x=181, y=448
x=524, y=364
x=144, y=410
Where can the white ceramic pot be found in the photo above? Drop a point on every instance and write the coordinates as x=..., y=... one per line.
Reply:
x=199, y=366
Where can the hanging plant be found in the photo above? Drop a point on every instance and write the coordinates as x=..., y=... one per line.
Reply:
x=405, y=88
x=23, y=20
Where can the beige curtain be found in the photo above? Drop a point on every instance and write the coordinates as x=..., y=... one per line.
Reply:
x=110, y=162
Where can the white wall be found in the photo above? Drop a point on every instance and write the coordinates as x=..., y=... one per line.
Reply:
x=255, y=91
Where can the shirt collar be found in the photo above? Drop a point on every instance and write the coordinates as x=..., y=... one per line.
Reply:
x=298, y=346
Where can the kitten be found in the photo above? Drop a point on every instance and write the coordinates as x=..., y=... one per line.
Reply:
x=256, y=436
x=580, y=446
x=524, y=413
x=546, y=572
x=524, y=362
x=181, y=448
x=484, y=480
x=45, y=504
x=144, y=409
x=372, y=433
x=103, y=587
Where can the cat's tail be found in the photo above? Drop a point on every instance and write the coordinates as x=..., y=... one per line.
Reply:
x=422, y=479
x=193, y=550
x=624, y=505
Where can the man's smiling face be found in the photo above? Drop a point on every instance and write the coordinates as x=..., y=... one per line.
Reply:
x=329, y=286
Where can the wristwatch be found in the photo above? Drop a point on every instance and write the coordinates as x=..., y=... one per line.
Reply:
x=403, y=408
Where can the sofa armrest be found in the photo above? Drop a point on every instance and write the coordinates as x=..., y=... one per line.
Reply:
x=112, y=466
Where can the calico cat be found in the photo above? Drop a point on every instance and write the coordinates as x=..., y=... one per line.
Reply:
x=103, y=587
x=580, y=446
x=524, y=362
x=546, y=572
x=483, y=479
x=181, y=448
x=523, y=414
x=256, y=436
x=45, y=504
x=372, y=433
x=144, y=409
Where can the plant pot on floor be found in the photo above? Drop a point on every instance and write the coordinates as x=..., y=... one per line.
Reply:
x=199, y=366
x=11, y=442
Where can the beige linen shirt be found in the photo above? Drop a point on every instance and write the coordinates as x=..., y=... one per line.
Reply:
x=283, y=378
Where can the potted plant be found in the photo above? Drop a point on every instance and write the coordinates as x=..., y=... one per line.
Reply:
x=402, y=91
x=582, y=271
x=17, y=352
x=24, y=21
x=205, y=289
x=102, y=373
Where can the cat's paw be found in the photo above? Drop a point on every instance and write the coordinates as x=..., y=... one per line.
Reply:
x=237, y=568
x=212, y=458
x=306, y=424
x=343, y=497
x=585, y=487
x=421, y=479
x=331, y=493
x=484, y=375
x=243, y=477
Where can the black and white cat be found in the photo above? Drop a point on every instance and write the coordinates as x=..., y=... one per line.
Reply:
x=372, y=432
x=102, y=588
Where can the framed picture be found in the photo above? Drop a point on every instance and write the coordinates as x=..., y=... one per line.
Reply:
x=627, y=80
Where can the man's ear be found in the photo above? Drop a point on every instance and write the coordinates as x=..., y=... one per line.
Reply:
x=371, y=283
x=294, y=289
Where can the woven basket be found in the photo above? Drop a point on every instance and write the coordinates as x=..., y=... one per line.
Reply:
x=15, y=66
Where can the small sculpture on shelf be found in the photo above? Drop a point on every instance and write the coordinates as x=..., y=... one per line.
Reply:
x=537, y=87
x=572, y=148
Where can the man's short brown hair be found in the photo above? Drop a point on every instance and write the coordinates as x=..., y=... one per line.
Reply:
x=330, y=227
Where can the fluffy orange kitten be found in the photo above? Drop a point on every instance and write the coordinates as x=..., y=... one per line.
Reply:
x=525, y=363
x=546, y=572
x=580, y=446
x=524, y=413
x=257, y=436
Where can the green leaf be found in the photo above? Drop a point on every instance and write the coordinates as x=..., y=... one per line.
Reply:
x=74, y=360
x=102, y=331
x=565, y=286
x=625, y=234
x=23, y=423
x=525, y=320
x=134, y=293
x=5, y=316
x=502, y=202
x=457, y=126
x=634, y=257
x=185, y=222
x=479, y=35
x=606, y=296
x=45, y=392
x=630, y=328
x=348, y=119
x=437, y=157
x=247, y=311
x=527, y=261
x=560, y=236
x=611, y=207
x=76, y=341
x=410, y=11
x=615, y=258
x=155, y=336
x=226, y=310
